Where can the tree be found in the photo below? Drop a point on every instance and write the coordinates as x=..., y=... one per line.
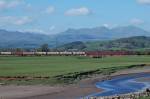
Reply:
x=18, y=49
x=44, y=48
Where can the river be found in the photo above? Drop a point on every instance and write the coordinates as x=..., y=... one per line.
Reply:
x=123, y=84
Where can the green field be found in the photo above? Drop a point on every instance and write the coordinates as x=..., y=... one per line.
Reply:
x=144, y=98
x=60, y=65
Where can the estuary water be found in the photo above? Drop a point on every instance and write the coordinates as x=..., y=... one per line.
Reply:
x=123, y=84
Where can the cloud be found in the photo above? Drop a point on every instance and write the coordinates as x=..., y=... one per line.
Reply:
x=28, y=7
x=78, y=11
x=52, y=28
x=136, y=21
x=11, y=20
x=34, y=30
x=110, y=25
x=23, y=20
x=50, y=10
x=106, y=25
x=9, y=4
x=145, y=2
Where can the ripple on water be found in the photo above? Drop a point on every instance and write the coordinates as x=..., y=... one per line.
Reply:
x=124, y=84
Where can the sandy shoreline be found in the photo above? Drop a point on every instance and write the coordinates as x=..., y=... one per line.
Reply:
x=83, y=88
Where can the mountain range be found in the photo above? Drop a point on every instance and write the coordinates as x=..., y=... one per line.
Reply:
x=15, y=39
x=131, y=43
x=11, y=39
x=101, y=33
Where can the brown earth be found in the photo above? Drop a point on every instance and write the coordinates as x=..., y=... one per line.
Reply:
x=21, y=78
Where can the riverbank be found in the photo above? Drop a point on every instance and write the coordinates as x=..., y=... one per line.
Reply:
x=81, y=89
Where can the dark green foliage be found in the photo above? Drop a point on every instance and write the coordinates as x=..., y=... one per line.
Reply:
x=132, y=43
x=73, y=46
x=44, y=48
x=137, y=43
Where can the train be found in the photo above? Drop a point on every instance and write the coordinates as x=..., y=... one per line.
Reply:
x=98, y=54
x=94, y=54
x=65, y=53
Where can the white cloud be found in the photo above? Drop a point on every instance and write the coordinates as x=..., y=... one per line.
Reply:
x=34, y=30
x=110, y=25
x=52, y=28
x=9, y=4
x=10, y=20
x=2, y=4
x=146, y=2
x=40, y=30
x=13, y=4
x=28, y=7
x=78, y=11
x=106, y=25
x=23, y=20
x=136, y=21
x=50, y=10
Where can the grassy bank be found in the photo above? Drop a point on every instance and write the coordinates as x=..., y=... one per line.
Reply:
x=64, y=69
x=144, y=98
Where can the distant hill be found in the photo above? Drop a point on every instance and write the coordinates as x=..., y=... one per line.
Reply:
x=131, y=43
x=15, y=39
x=84, y=34
x=78, y=45
x=99, y=33
x=11, y=39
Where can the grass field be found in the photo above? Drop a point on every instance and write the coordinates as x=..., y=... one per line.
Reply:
x=55, y=65
x=144, y=98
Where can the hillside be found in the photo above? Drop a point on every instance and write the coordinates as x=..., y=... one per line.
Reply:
x=131, y=43
x=99, y=33
x=15, y=39
x=11, y=39
x=78, y=45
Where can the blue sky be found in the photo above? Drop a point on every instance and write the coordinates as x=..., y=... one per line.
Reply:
x=53, y=16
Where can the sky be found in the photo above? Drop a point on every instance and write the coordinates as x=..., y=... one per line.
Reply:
x=54, y=16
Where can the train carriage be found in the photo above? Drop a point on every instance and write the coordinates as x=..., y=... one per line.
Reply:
x=5, y=53
x=40, y=53
x=65, y=53
x=79, y=53
x=17, y=53
x=52, y=53
x=28, y=53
